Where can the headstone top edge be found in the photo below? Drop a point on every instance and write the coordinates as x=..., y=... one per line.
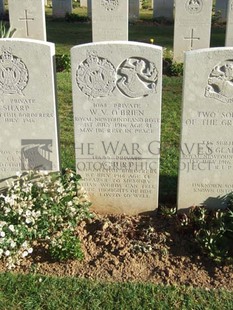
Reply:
x=207, y=50
x=133, y=43
x=40, y=42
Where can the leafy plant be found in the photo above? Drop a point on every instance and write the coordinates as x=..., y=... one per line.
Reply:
x=72, y=17
x=212, y=230
x=6, y=32
x=63, y=63
x=42, y=208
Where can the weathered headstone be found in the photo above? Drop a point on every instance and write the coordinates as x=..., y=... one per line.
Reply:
x=229, y=25
x=134, y=10
x=28, y=18
x=192, y=26
x=28, y=119
x=117, y=113
x=2, y=8
x=109, y=20
x=163, y=8
x=221, y=9
x=206, y=157
x=62, y=7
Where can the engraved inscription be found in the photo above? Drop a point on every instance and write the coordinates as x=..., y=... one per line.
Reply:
x=137, y=77
x=13, y=74
x=110, y=5
x=192, y=38
x=220, y=82
x=96, y=76
x=194, y=6
x=35, y=154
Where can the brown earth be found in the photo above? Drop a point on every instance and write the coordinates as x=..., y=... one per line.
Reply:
x=139, y=249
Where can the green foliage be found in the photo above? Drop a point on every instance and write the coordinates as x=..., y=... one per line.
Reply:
x=66, y=246
x=6, y=32
x=36, y=292
x=63, y=63
x=72, y=17
x=170, y=67
x=212, y=230
x=41, y=207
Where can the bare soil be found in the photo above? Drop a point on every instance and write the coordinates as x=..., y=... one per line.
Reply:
x=124, y=248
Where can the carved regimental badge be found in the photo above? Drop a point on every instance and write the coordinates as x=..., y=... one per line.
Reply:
x=13, y=74
x=137, y=77
x=110, y=5
x=96, y=77
x=220, y=82
x=194, y=6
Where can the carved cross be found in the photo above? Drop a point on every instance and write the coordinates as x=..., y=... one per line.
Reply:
x=191, y=38
x=26, y=19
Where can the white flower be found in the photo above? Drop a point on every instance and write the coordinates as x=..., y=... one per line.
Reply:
x=13, y=244
x=18, y=174
x=7, y=253
x=28, y=213
x=12, y=228
x=2, y=234
x=30, y=250
x=25, y=253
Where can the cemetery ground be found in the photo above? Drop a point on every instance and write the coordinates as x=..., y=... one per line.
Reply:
x=149, y=251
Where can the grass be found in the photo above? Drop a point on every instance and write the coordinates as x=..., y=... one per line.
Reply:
x=40, y=292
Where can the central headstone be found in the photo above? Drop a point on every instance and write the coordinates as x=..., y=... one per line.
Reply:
x=206, y=158
x=117, y=113
x=221, y=9
x=109, y=20
x=28, y=113
x=192, y=26
x=61, y=8
x=229, y=25
x=27, y=17
x=163, y=8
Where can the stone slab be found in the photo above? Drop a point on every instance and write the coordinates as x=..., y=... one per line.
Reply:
x=134, y=6
x=192, y=26
x=117, y=114
x=2, y=8
x=83, y=3
x=109, y=20
x=163, y=8
x=221, y=9
x=61, y=8
x=206, y=157
x=28, y=18
x=229, y=25
x=28, y=114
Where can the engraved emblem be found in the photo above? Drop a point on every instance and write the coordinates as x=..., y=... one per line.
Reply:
x=13, y=74
x=220, y=82
x=194, y=6
x=110, y=5
x=137, y=77
x=96, y=77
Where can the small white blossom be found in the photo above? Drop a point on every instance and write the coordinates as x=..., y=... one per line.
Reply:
x=7, y=253
x=25, y=253
x=12, y=228
x=2, y=234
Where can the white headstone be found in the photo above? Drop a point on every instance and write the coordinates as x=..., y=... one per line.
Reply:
x=221, y=9
x=28, y=117
x=229, y=25
x=61, y=7
x=109, y=20
x=117, y=113
x=83, y=3
x=163, y=8
x=2, y=8
x=28, y=18
x=134, y=10
x=192, y=26
x=89, y=8
x=206, y=158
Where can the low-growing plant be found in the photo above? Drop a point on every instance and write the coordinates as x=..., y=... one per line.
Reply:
x=63, y=63
x=5, y=31
x=42, y=208
x=72, y=17
x=170, y=67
